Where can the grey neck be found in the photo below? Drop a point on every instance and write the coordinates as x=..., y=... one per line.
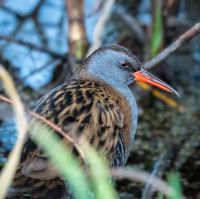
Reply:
x=124, y=90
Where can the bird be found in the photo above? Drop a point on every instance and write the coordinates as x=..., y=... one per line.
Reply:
x=96, y=104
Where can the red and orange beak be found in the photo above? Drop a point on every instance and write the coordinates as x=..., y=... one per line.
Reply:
x=148, y=78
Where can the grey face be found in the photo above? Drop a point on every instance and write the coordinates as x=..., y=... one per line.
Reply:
x=114, y=64
x=119, y=67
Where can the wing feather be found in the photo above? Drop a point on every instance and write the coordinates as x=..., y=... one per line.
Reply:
x=80, y=108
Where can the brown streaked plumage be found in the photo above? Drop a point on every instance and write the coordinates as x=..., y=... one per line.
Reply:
x=96, y=104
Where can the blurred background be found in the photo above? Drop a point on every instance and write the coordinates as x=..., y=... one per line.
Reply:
x=42, y=42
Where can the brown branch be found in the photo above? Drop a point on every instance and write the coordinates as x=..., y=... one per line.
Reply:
x=183, y=39
x=32, y=46
x=49, y=123
x=77, y=38
x=131, y=23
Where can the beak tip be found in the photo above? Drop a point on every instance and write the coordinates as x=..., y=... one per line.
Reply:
x=176, y=93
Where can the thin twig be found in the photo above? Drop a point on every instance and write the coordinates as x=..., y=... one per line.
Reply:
x=55, y=127
x=37, y=116
x=141, y=176
x=132, y=23
x=32, y=46
x=96, y=8
x=9, y=169
x=153, y=176
x=183, y=39
x=100, y=26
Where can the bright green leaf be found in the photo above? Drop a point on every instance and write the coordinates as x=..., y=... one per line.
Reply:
x=174, y=181
x=157, y=30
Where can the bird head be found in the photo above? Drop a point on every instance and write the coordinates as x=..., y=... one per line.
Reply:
x=119, y=66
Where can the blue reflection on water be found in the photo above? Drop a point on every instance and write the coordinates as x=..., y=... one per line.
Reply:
x=51, y=33
x=144, y=15
x=21, y=6
x=7, y=138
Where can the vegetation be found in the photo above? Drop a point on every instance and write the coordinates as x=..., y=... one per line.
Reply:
x=166, y=126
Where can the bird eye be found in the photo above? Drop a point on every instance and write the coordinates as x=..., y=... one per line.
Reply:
x=125, y=64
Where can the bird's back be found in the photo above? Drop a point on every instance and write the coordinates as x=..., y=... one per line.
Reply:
x=83, y=108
